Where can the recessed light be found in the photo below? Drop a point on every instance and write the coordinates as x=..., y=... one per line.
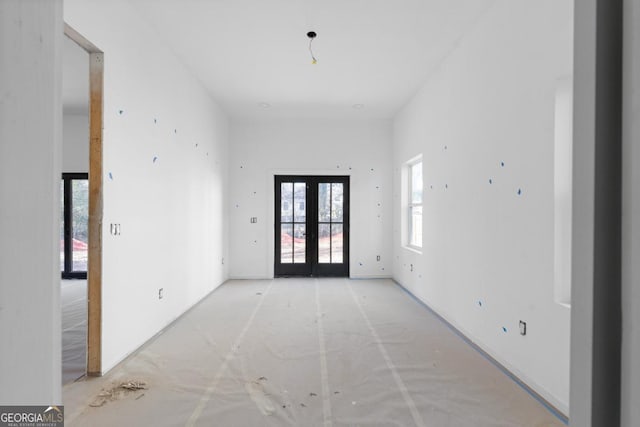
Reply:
x=358, y=106
x=264, y=105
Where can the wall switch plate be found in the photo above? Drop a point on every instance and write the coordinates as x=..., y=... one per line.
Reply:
x=523, y=328
x=160, y=290
x=254, y=219
x=115, y=229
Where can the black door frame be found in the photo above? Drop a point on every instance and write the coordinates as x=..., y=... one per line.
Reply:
x=311, y=267
x=68, y=272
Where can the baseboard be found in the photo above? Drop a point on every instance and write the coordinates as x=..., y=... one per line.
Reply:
x=553, y=408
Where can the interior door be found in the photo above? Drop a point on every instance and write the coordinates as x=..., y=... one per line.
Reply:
x=312, y=226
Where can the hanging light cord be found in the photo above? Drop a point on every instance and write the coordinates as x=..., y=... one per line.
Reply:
x=312, y=35
x=313, y=58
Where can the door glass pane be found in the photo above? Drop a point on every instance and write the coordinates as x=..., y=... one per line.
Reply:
x=324, y=202
x=299, y=244
x=336, y=202
x=324, y=244
x=336, y=243
x=286, y=243
x=299, y=202
x=62, y=225
x=286, y=202
x=79, y=223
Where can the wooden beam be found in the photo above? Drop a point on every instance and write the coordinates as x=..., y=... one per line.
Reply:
x=94, y=276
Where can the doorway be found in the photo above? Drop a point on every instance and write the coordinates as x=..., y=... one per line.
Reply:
x=93, y=294
x=311, y=226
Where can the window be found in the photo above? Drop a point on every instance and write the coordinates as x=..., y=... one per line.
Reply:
x=74, y=240
x=415, y=204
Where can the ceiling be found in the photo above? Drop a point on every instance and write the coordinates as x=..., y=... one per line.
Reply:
x=75, y=78
x=250, y=53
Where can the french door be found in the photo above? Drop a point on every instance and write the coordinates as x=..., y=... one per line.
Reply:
x=312, y=226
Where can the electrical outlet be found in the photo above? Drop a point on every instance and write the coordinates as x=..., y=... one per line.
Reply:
x=160, y=293
x=410, y=267
x=222, y=260
x=114, y=229
x=523, y=328
x=378, y=258
x=254, y=220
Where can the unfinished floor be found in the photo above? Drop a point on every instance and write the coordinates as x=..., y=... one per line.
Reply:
x=73, y=297
x=306, y=352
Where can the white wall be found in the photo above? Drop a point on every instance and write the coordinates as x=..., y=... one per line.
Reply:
x=262, y=149
x=491, y=100
x=630, y=410
x=75, y=143
x=30, y=146
x=172, y=210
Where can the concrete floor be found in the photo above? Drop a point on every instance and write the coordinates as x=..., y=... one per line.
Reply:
x=305, y=352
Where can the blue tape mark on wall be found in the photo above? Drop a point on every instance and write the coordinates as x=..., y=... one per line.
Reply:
x=360, y=263
x=502, y=164
x=120, y=112
x=519, y=192
x=155, y=121
x=504, y=329
x=155, y=158
x=110, y=176
x=490, y=181
x=480, y=303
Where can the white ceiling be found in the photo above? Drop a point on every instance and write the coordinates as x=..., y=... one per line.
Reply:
x=75, y=78
x=371, y=52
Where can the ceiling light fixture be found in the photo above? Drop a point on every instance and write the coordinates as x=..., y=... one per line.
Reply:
x=312, y=35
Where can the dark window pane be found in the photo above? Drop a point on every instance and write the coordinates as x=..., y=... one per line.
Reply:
x=79, y=223
x=300, y=195
x=299, y=244
x=286, y=202
x=324, y=239
x=336, y=243
x=286, y=243
x=336, y=202
x=324, y=202
x=62, y=225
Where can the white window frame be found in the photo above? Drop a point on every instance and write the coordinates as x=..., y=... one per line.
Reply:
x=411, y=204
